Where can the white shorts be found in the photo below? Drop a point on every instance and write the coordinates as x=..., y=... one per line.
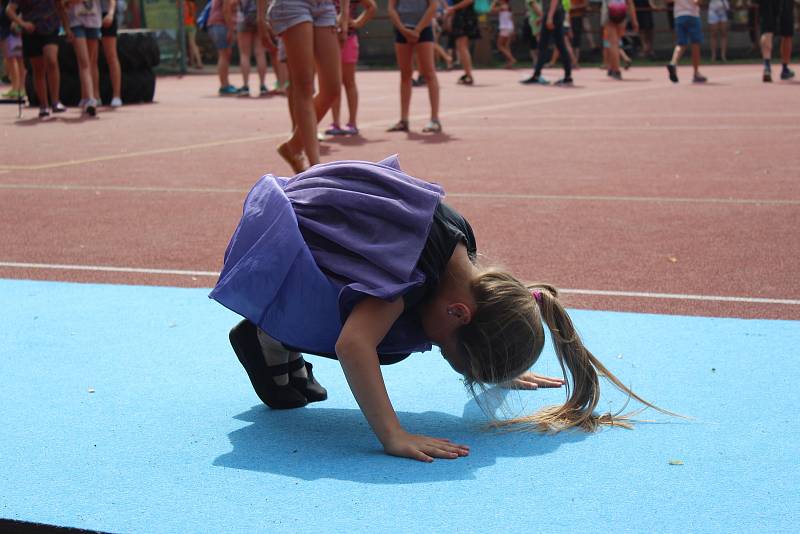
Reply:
x=715, y=16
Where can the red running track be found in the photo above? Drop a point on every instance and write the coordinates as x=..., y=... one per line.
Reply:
x=633, y=196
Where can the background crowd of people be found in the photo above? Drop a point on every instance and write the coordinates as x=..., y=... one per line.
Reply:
x=313, y=47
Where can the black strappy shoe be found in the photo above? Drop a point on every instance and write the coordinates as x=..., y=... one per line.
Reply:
x=244, y=340
x=309, y=387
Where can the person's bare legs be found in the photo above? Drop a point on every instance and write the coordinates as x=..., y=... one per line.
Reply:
x=245, y=50
x=194, y=50
x=114, y=69
x=323, y=53
x=786, y=50
x=714, y=30
x=404, y=53
x=696, y=59
x=40, y=81
x=676, y=54
x=351, y=91
x=299, y=43
x=766, y=46
x=93, y=47
x=427, y=67
x=53, y=75
x=613, y=47
x=462, y=45
x=223, y=65
x=502, y=46
x=261, y=60
x=723, y=41
x=84, y=67
x=280, y=69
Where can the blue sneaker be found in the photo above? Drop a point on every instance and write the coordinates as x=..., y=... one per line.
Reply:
x=535, y=80
x=228, y=90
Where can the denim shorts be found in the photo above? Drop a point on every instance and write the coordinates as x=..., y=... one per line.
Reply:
x=219, y=36
x=689, y=30
x=82, y=32
x=283, y=14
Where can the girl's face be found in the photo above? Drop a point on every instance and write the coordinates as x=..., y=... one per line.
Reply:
x=454, y=357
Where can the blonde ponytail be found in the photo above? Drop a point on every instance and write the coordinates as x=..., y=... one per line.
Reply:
x=582, y=385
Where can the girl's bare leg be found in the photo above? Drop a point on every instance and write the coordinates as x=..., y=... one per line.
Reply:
x=613, y=50
x=714, y=30
x=261, y=60
x=427, y=68
x=245, y=50
x=351, y=90
x=53, y=74
x=404, y=53
x=84, y=72
x=723, y=41
x=40, y=81
x=299, y=43
x=462, y=45
x=114, y=69
x=309, y=109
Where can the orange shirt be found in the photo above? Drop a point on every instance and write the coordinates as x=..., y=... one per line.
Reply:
x=189, y=13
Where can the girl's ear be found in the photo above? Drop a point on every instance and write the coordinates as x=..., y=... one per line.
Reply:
x=461, y=312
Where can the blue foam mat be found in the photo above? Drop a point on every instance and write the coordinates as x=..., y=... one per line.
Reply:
x=172, y=438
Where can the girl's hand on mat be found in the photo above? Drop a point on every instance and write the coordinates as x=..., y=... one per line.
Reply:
x=533, y=381
x=423, y=448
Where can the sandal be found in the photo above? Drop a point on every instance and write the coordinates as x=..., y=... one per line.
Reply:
x=401, y=126
x=308, y=387
x=433, y=126
x=295, y=161
x=244, y=340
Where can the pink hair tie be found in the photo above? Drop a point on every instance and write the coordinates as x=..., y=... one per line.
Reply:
x=537, y=295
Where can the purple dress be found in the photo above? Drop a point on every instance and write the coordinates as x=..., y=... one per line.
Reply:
x=308, y=248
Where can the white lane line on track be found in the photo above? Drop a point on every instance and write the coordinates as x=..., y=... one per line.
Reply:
x=591, y=292
x=486, y=196
x=672, y=128
x=569, y=94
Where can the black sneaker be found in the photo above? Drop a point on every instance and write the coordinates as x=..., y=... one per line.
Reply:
x=673, y=73
x=564, y=82
x=44, y=113
x=615, y=74
x=787, y=74
x=767, y=77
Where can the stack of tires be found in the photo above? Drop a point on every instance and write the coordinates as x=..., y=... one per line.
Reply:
x=138, y=55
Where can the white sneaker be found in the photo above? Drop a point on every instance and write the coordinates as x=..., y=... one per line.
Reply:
x=116, y=102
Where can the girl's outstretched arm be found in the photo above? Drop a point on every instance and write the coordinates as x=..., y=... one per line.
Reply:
x=356, y=349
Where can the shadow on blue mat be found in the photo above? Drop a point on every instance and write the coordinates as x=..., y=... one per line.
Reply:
x=337, y=443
